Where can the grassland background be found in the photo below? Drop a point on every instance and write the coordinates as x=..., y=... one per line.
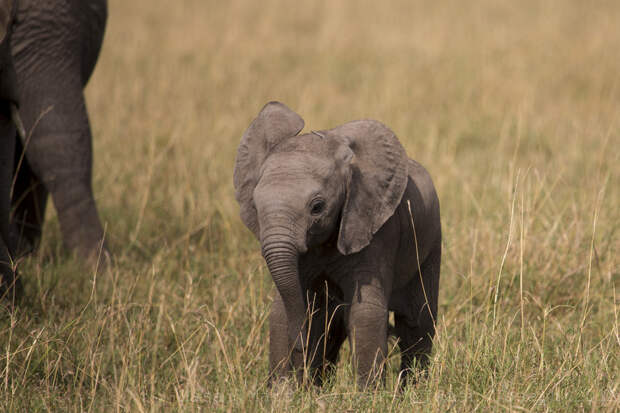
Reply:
x=512, y=107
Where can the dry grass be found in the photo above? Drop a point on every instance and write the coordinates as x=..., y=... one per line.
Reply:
x=512, y=107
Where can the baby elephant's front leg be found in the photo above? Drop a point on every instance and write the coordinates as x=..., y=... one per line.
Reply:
x=367, y=329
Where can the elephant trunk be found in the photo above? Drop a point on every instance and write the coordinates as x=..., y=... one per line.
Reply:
x=281, y=255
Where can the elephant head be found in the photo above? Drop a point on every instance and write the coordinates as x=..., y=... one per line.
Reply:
x=301, y=191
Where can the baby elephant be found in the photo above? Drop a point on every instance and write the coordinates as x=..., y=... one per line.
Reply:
x=349, y=227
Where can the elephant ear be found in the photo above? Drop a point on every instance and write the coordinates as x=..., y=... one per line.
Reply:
x=378, y=178
x=274, y=124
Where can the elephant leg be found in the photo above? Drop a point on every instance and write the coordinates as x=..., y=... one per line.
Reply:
x=9, y=283
x=416, y=333
x=59, y=153
x=7, y=146
x=328, y=333
x=28, y=204
x=321, y=355
x=367, y=330
x=415, y=343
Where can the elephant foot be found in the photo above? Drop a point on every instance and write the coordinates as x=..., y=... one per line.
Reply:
x=82, y=231
x=282, y=391
x=25, y=241
x=415, y=347
x=98, y=257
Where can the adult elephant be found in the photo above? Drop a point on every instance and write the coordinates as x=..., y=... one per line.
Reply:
x=48, y=51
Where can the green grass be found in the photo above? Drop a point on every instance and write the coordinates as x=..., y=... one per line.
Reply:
x=512, y=107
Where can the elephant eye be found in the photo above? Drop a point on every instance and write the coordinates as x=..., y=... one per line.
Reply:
x=317, y=207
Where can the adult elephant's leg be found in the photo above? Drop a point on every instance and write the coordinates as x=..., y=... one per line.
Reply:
x=367, y=330
x=59, y=151
x=10, y=286
x=8, y=281
x=28, y=204
x=6, y=166
x=7, y=146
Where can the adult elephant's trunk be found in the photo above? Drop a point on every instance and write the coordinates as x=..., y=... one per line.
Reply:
x=281, y=254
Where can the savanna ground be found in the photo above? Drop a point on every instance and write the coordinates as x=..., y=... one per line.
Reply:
x=514, y=109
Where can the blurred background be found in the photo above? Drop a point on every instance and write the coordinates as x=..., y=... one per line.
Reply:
x=511, y=106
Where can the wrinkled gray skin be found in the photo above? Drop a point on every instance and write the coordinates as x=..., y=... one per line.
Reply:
x=330, y=209
x=47, y=53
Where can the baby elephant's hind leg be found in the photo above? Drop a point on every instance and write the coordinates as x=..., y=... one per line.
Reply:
x=415, y=343
x=416, y=333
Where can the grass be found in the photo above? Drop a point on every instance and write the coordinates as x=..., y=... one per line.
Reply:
x=512, y=107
